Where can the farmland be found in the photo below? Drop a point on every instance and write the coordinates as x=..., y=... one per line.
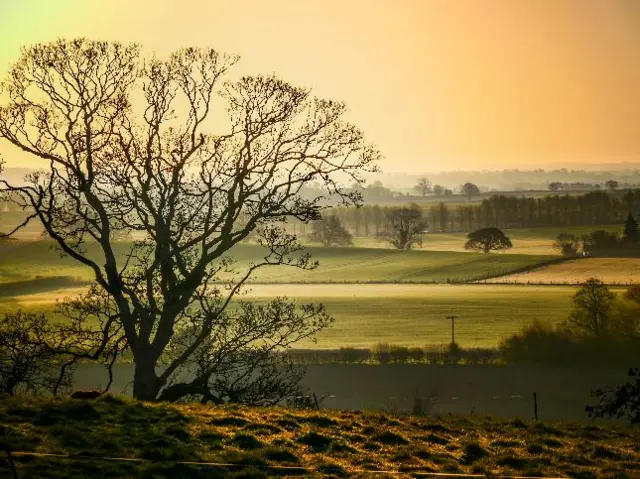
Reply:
x=609, y=270
x=27, y=260
x=406, y=314
x=376, y=294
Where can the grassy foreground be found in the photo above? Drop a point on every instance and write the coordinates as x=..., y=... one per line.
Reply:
x=321, y=443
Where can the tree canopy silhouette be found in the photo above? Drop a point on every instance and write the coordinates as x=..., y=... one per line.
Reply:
x=487, y=239
x=631, y=233
x=125, y=148
x=469, y=190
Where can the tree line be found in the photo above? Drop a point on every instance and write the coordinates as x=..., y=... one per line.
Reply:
x=501, y=211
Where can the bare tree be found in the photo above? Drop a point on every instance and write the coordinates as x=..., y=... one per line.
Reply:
x=125, y=148
x=593, y=308
x=405, y=226
x=423, y=186
x=26, y=363
x=38, y=355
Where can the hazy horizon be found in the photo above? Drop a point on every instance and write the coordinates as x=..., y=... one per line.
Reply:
x=437, y=85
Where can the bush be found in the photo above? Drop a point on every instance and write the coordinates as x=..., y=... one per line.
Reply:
x=27, y=362
x=543, y=344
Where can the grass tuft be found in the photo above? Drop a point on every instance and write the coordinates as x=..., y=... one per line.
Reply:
x=472, y=452
x=390, y=438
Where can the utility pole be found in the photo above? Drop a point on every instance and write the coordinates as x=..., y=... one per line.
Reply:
x=453, y=328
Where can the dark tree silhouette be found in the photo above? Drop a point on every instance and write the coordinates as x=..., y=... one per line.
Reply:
x=438, y=190
x=622, y=401
x=631, y=233
x=612, y=185
x=405, y=226
x=423, y=186
x=469, y=190
x=555, y=186
x=125, y=150
x=600, y=242
x=329, y=231
x=487, y=239
x=592, y=308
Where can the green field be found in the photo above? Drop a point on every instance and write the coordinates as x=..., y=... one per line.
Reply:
x=355, y=284
x=409, y=315
x=27, y=260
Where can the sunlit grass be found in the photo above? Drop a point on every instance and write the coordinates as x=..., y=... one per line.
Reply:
x=404, y=314
x=340, y=442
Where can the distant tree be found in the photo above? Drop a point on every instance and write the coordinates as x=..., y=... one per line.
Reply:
x=619, y=402
x=448, y=192
x=438, y=190
x=555, y=186
x=487, y=239
x=376, y=191
x=405, y=226
x=329, y=231
x=567, y=243
x=469, y=189
x=612, y=185
x=631, y=233
x=592, y=308
x=423, y=187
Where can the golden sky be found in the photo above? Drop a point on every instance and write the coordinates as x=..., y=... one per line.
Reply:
x=436, y=84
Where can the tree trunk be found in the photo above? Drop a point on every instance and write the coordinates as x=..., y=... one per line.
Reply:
x=145, y=380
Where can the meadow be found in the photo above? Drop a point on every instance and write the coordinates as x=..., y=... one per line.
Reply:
x=159, y=440
x=608, y=270
x=28, y=260
x=376, y=294
x=404, y=314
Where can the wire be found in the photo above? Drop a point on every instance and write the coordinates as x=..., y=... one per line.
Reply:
x=266, y=466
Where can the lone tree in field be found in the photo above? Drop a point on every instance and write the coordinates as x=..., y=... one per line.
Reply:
x=124, y=149
x=612, y=185
x=329, y=231
x=469, y=190
x=487, y=239
x=404, y=227
x=555, y=186
x=592, y=308
x=423, y=187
